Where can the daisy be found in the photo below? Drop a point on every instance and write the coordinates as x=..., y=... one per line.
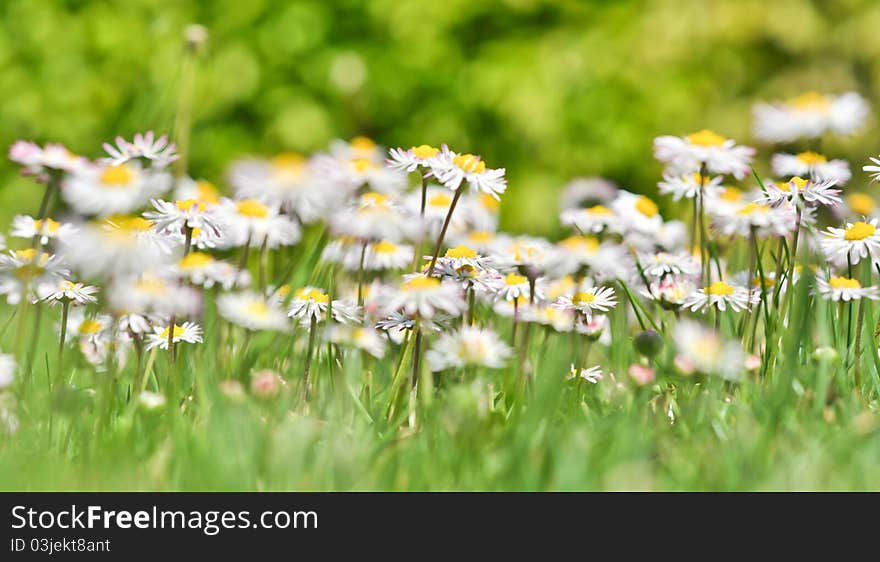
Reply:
x=812, y=165
x=24, y=226
x=463, y=264
x=453, y=169
x=350, y=175
x=529, y=254
x=96, y=330
x=721, y=296
x=43, y=162
x=809, y=115
x=516, y=287
x=798, y=189
x=853, y=243
x=661, y=264
x=469, y=346
x=309, y=303
x=202, y=269
x=409, y=160
x=670, y=292
x=202, y=191
x=288, y=180
x=69, y=292
x=873, y=169
x=480, y=240
x=587, y=192
x=763, y=220
x=861, y=204
x=183, y=215
x=250, y=221
x=701, y=349
x=706, y=148
x=591, y=374
x=106, y=190
x=425, y=296
x=150, y=150
x=7, y=370
x=844, y=289
x=151, y=292
x=588, y=300
x=593, y=220
x=252, y=311
x=688, y=186
x=27, y=273
x=188, y=332
x=374, y=217
x=386, y=255
x=636, y=213
x=363, y=338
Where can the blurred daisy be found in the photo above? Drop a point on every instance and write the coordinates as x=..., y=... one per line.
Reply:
x=688, y=186
x=588, y=300
x=469, y=346
x=452, y=169
x=150, y=150
x=188, y=332
x=812, y=165
x=409, y=160
x=28, y=270
x=587, y=192
x=591, y=374
x=150, y=292
x=385, y=255
x=69, y=292
x=7, y=370
x=809, y=115
x=722, y=296
x=661, y=264
x=516, y=288
x=363, y=338
x=873, y=169
x=425, y=296
x=860, y=204
x=202, y=269
x=44, y=161
x=24, y=226
x=718, y=154
x=593, y=220
x=853, y=243
x=701, y=349
x=250, y=221
x=252, y=311
x=202, y=191
x=95, y=329
x=637, y=213
x=178, y=216
x=107, y=190
x=798, y=189
x=288, y=180
x=374, y=217
x=670, y=292
x=844, y=289
x=763, y=219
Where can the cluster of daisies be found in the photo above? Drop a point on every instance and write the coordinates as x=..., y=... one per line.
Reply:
x=417, y=265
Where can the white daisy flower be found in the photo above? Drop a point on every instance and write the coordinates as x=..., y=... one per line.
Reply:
x=452, y=169
x=202, y=269
x=591, y=374
x=798, y=189
x=855, y=242
x=253, y=222
x=873, y=169
x=363, y=338
x=636, y=213
x=288, y=180
x=844, y=289
x=588, y=300
x=150, y=292
x=252, y=311
x=516, y=287
x=812, y=165
x=24, y=226
x=464, y=264
x=469, y=346
x=860, y=204
x=76, y=294
x=587, y=192
x=385, y=255
x=722, y=296
x=809, y=115
x=410, y=160
x=178, y=216
x=701, y=349
x=43, y=162
x=201, y=190
x=480, y=240
x=7, y=370
x=188, y=332
x=706, y=148
x=670, y=292
x=688, y=186
x=375, y=217
x=95, y=330
x=661, y=264
x=26, y=270
x=528, y=253
x=107, y=190
x=157, y=152
x=742, y=219
x=593, y=220
x=425, y=296
x=308, y=303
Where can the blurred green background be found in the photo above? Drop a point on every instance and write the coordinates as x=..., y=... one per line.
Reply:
x=548, y=89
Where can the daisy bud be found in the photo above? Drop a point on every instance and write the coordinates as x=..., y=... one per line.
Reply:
x=649, y=343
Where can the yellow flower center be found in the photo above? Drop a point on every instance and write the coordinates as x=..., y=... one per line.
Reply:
x=288, y=166
x=186, y=205
x=195, y=260
x=731, y=194
x=469, y=163
x=811, y=158
x=440, y=200
x=719, y=288
x=178, y=332
x=581, y=297
x=90, y=327
x=207, y=192
x=513, y=279
x=489, y=203
x=363, y=144
x=114, y=176
x=151, y=285
x=706, y=138
x=47, y=225
x=480, y=236
x=843, y=283
x=362, y=164
x=461, y=252
x=27, y=255
x=798, y=182
x=128, y=223
x=861, y=204
x=312, y=294
x=599, y=210
x=588, y=244
x=698, y=178
x=374, y=198
x=252, y=208
x=424, y=151
x=859, y=231
x=646, y=206
x=420, y=282
x=283, y=291
x=257, y=308
x=385, y=247
x=750, y=208
x=811, y=101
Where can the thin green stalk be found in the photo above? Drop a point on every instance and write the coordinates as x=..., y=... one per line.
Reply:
x=455, y=198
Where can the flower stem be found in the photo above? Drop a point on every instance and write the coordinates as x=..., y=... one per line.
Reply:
x=65, y=311
x=361, y=274
x=313, y=329
x=445, y=227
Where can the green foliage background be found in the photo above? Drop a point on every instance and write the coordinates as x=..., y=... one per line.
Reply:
x=548, y=89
